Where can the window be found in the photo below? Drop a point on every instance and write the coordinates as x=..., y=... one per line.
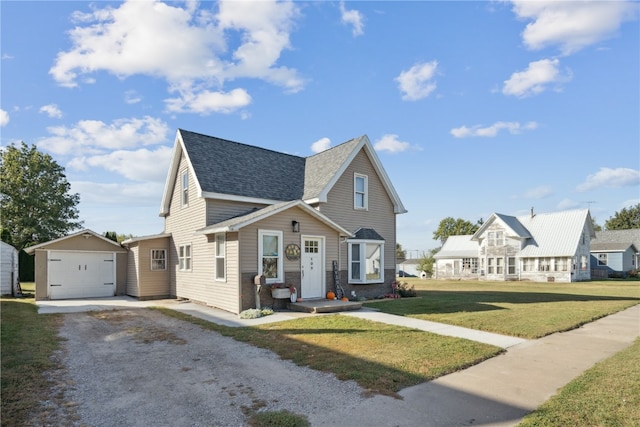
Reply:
x=490, y=265
x=221, y=266
x=158, y=259
x=499, y=265
x=602, y=259
x=185, y=188
x=511, y=265
x=561, y=264
x=584, y=265
x=184, y=256
x=366, y=262
x=470, y=265
x=360, y=187
x=495, y=238
x=528, y=264
x=270, y=255
x=544, y=264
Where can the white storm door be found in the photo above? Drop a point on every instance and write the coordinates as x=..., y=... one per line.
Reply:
x=312, y=265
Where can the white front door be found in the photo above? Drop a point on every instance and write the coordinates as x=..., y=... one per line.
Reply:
x=312, y=264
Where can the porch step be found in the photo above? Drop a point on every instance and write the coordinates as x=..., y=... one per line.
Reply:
x=324, y=306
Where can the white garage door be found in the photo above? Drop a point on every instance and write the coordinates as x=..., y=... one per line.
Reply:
x=81, y=274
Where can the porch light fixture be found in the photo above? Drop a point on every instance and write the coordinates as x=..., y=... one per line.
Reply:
x=295, y=226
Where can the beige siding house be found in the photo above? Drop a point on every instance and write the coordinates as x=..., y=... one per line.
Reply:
x=548, y=247
x=234, y=211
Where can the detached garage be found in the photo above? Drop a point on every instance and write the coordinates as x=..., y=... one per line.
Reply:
x=81, y=265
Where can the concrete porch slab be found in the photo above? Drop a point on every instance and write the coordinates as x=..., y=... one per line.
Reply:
x=324, y=306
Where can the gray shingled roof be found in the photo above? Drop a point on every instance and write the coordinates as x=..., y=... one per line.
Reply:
x=610, y=247
x=618, y=236
x=367, y=234
x=322, y=167
x=228, y=167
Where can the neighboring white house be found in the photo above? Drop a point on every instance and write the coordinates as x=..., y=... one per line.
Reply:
x=409, y=268
x=8, y=269
x=550, y=247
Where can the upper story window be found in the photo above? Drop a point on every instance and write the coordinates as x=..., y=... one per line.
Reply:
x=221, y=265
x=360, y=191
x=185, y=188
x=158, y=259
x=495, y=238
x=270, y=262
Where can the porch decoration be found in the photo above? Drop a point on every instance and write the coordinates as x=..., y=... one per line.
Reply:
x=282, y=291
x=331, y=295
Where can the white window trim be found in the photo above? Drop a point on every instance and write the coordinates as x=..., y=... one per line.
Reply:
x=222, y=256
x=363, y=268
x=278, y=234
x=152, y=259
x=184, y=193
x=355, y=192
x=181, y=258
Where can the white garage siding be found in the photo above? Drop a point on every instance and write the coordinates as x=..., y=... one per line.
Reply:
x=81, y=274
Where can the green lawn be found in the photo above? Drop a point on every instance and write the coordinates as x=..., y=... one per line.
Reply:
x=606, y=395
x=522, y=309
x=384, y=358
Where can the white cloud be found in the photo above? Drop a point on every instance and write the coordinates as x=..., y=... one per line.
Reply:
x=321, y=145
x=95, y=136
x=571, y=25
x=4, y=118
x=417, y=82
x=136, y=165
x=391, y=144
x=491, y=131
x=207, y=102
x=51, y=110
x=352, y=17
x=141, y=37
x=132, y=97
x=607, y=177
x=538, y=192
x=535, y=79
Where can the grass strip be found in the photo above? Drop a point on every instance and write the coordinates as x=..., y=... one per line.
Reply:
x=27, y=344
x=606, y=395
x=523, y=309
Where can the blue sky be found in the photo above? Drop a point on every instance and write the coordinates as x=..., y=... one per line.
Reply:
x=473, y=107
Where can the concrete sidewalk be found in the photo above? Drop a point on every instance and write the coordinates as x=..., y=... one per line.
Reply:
x=226, y=318
x=501, y=390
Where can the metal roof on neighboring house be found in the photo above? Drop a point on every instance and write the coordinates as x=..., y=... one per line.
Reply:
x=458, y=247
x=555, y=234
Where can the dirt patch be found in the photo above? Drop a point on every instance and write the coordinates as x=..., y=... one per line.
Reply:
x=141, y=368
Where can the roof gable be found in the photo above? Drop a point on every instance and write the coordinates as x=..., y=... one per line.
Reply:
x=86, y=232
x=234, y=171
x=555, y=234
x=513, y=227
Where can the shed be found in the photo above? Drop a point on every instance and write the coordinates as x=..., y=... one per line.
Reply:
x=8, y=269
x=80, y=265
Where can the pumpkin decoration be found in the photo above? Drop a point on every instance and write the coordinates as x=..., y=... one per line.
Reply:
x=331, y=295
x=345, y=299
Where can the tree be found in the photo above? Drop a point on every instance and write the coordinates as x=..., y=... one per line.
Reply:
x=426, y=261
x=111, y=235
x=34, y=197
x=454, y=227
x=625, y=219
x=401, y=254
x=595, y=225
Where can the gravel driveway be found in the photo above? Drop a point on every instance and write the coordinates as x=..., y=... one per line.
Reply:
x=140, y=368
